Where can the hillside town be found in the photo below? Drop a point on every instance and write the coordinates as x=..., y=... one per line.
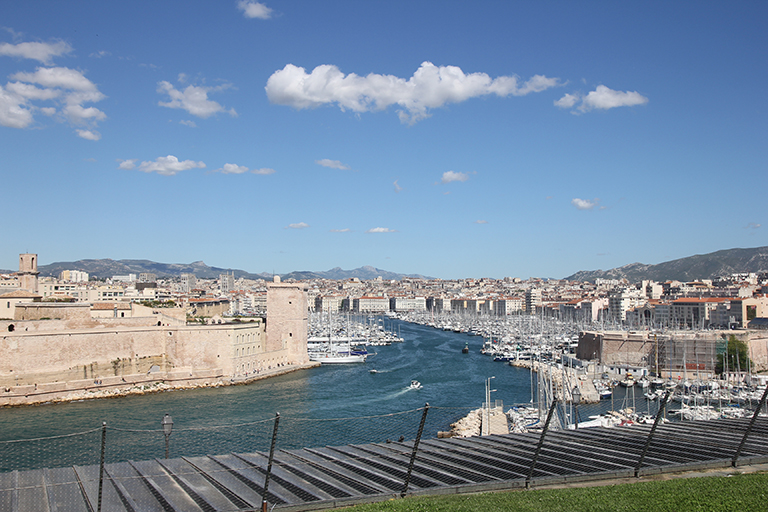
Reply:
x=730, y=302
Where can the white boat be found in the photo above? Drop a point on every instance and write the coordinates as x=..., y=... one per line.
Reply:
x=415, y=385
x=331, y=357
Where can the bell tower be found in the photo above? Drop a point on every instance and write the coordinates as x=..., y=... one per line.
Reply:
x=28, y=272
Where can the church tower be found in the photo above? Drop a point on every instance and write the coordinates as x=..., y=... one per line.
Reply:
x=28, y=272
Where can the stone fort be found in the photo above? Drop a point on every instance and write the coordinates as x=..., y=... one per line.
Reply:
x=57, y=351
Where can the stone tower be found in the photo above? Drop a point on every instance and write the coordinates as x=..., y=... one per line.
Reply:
x=28, y=272
x=287, y=319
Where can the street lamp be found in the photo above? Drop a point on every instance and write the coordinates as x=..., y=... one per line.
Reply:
x=488, y=392
x=576, y=398
x=167, y=424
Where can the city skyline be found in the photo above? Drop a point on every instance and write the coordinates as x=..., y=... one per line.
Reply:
x=448, y=139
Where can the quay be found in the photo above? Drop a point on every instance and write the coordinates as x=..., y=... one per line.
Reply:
x=336, y=476
x=586, y=387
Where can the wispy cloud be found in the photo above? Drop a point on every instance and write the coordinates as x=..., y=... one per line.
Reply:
x=188, y=122
x=584, y=204
x=601, y=98
x=381, y=230
x=430, y=87
x=193, y=99
x=450, y=176
x=298, y=225
x=753, y=225
x=345, y=230
x=254, y=9
x=241, y=169
x=332, y=164
x=168, y=165
x=398, y=188
x=481, y=222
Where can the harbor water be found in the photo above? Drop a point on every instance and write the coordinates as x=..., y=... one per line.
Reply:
x=328, y=405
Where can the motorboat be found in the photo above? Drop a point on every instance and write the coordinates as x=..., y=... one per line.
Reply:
x=415, y=385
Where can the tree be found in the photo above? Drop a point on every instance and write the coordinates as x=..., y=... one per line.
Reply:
x=737, y=352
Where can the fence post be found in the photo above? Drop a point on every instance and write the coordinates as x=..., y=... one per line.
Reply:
x=650, y=434
x=269, y=464
x=749, y=428
x=101, y=463
x=415, y=449
x=541, y=442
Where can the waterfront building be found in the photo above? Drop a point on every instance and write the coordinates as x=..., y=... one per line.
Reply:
x=503, y=306
x=406, y=304
x=533, y=298
x=623, y=299
x=329, y=303
x=372, y=305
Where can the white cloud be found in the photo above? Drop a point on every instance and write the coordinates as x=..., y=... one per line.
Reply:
x=602, y=98
x=78, y=114
x=345, y=230
x=43, y=52
x=584, y=204
x=605, y=98
x=481, y=222
x=254, y=9
x=187, y=122
x=381, y=230
x=398, y=188
x=450, y=176
x=430, y=87
x=69, y=88
x=127, y=164
x=241, y=169
x=100, y=54
x=333, y=164
x=13, y=113
x=567, y=101
x=31, y=92
x=193, y=99
x=63, y=78
x=169, y=165
x=753, y=225
x=232, y=169
x=88, y=134
x=298, y=225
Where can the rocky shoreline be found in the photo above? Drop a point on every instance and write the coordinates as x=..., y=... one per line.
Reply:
x=127, y=386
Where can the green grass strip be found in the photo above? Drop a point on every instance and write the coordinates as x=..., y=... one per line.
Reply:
x=711, y=494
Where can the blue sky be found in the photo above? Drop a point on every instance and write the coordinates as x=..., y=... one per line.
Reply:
x=449, y=139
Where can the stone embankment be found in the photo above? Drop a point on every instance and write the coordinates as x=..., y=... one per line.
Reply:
x=472, y=424
x=570, y=376
x=468, y=426
x=141, y=384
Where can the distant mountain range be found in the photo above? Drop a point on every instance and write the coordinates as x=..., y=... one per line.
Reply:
x=104, y=268
x=701, y=266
